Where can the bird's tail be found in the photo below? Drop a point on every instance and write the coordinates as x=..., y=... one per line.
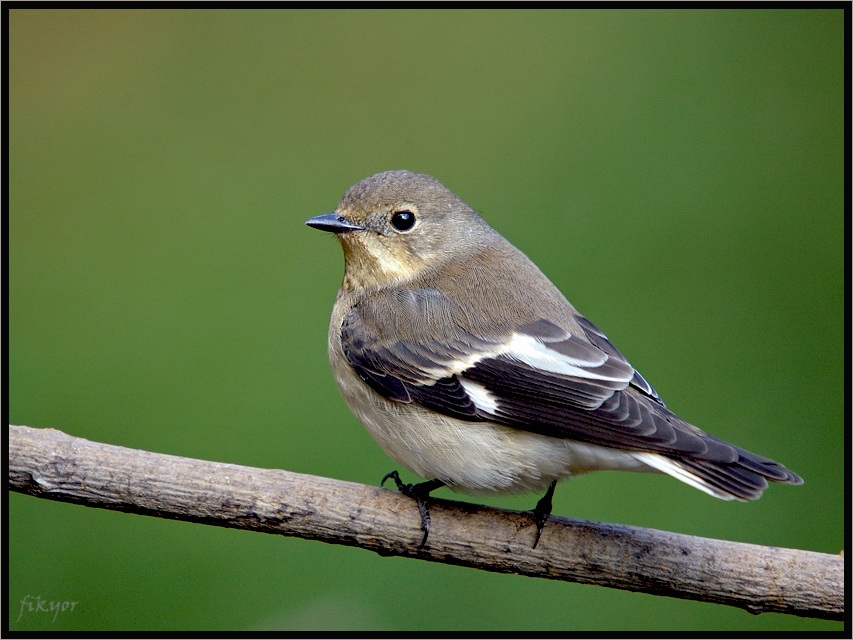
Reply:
x=743, y=479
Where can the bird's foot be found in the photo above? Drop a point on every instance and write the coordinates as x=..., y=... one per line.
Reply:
x=420, y=492
x=542, y=511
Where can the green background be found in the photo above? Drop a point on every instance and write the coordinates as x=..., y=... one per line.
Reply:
x=678, y=174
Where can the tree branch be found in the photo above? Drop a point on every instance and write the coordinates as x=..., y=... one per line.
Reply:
x=47, y=463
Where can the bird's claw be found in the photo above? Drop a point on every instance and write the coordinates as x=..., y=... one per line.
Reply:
x=420, y=492
x=541, y=512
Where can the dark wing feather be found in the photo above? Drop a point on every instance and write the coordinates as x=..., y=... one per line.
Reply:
x=600, y=340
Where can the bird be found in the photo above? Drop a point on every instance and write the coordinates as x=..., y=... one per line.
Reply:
x=469, y=367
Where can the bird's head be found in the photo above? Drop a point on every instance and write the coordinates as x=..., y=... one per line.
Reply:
x=396, y=224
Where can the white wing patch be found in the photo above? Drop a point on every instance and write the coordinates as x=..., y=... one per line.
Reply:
x=538, y=355
x=480, y=396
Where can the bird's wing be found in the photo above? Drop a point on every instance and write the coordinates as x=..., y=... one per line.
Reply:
x=537, y=377
x=543, y=378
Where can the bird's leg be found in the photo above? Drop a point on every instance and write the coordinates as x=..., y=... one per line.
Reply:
x=419, y=492
x=542, y=511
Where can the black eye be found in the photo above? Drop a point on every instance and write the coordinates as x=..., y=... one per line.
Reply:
x=403, y=220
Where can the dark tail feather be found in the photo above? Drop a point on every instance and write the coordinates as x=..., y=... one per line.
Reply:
x=743, y=479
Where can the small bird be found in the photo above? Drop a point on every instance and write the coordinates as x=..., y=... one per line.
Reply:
x=469, y=367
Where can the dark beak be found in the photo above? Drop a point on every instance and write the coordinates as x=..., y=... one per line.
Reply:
x=332, y=222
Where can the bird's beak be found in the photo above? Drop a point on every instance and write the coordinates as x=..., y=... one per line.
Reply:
x=333, y=222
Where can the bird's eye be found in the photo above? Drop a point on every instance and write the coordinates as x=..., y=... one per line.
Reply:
x=403, y=220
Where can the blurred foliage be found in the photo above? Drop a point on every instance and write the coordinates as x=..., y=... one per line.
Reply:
x=678, y=174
